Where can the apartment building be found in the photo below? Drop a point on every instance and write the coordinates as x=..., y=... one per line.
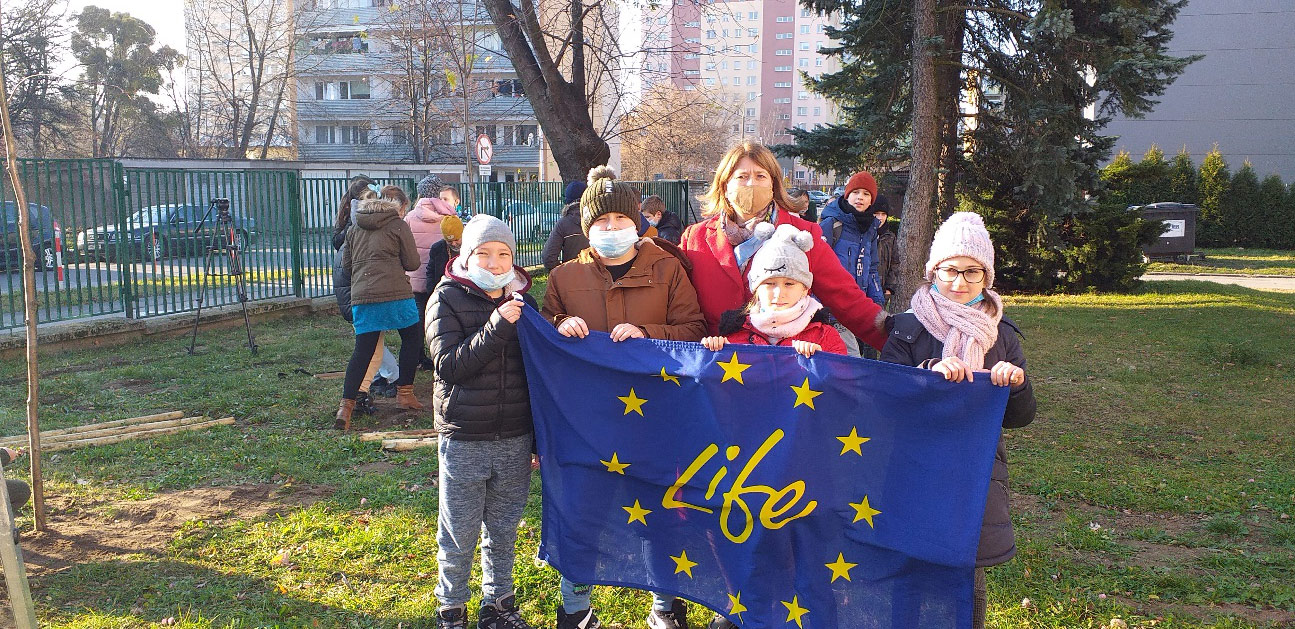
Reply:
x=748, y=54
x=363, y=95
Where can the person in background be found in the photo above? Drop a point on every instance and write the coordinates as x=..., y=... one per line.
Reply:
x=383, y=364
x=955, y=327
x=803, y=204
x=425, y=223
x=567, y=239
x=851, y=230
x=442, y=252
x=887, y=252
x=667, y=223
x=451, y=197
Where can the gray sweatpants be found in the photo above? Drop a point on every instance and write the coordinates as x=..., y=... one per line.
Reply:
x=483, y=485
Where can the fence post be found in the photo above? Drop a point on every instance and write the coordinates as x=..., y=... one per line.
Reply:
x=294, y=226
x=123, y=248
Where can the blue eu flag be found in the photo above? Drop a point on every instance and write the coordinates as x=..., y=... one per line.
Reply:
x=777, y=490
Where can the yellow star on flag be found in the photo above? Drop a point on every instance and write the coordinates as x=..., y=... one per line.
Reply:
x=840, y=568
x=794, y=610
x=805, y=395
x=852, y=441
x=735, y=605
x=733, y=369
x=636, y=513
x=615, y=465
x=864, y=511
x=633, y=403
x=683, y=564
x=669, y=378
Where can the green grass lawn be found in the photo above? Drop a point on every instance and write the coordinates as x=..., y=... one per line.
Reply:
x=1157, y=484
x=1241, y=261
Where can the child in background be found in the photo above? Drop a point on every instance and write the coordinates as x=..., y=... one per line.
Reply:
x=483, y=415
x=425, y=222
x=955, y=327
x=781, y=311
x=439, y=256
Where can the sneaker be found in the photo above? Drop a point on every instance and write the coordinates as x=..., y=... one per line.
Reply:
x=720, y=622
x=501, y=614
x=364, y=404
x=455, y=617
x=584, y=619
x=676, y=618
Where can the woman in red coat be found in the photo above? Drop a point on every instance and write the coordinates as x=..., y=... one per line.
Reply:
x=747, y=190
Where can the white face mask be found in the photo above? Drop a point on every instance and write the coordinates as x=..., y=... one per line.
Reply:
x=613, y=244
x=487, y=281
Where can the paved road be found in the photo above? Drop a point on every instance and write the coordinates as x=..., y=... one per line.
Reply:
x=1260, y=282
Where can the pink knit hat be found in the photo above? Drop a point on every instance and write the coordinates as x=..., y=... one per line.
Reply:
x=963, y=234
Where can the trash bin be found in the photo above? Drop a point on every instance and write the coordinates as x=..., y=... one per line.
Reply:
x=1178, y=242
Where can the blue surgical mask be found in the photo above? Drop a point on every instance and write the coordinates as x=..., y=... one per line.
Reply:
x=487, y=281
x=653, y=221
x=612, y=244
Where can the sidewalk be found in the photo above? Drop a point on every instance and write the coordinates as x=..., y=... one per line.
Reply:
x=1259, y=282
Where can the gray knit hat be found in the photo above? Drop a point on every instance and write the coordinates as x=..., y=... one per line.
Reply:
x=484, y=228
x=430, y=186
x=606, y=195
x=782, y=255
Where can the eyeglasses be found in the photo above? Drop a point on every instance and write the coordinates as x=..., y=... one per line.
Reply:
x=949, y=274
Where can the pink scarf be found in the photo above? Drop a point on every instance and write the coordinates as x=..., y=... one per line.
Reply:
x=784, y=324
x=967, y=331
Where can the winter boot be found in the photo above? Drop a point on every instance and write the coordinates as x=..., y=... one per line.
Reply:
x=583, y=619
x=501, y=614
x=452, y=617
x=344, y=411
x=406, y=399
x=676, y=618
x=364, y=404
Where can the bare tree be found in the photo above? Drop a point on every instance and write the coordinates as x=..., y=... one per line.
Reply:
x=243, y=55
x=676, y=133
x=31, y=48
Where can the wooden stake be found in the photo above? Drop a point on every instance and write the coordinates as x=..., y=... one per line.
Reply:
x=144, y=434
x=330, y=375
x=15, y=572
x=405, y=445
x=47, y=440
x=397, y=434
x=46, y=434
x=29, y=307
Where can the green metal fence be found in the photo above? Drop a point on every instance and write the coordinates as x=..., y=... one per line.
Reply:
x=139, y=242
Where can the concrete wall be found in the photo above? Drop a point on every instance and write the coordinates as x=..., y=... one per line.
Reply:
x=1240, y=96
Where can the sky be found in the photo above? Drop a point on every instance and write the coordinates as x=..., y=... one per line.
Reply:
x=165, y=16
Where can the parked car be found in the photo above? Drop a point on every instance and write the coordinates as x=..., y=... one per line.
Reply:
x=159, y=231
x=818, y=197
x=532, y=222
x=44, y=237
x=838, y=191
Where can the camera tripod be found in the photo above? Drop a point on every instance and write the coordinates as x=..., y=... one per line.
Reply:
x=228, y=255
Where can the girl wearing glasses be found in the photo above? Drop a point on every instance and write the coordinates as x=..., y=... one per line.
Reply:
x=956, y=327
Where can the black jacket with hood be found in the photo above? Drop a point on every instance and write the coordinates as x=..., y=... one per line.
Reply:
x=567, y=239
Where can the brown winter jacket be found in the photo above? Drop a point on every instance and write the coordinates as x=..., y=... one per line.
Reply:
x=655, y=294
x=379, y=249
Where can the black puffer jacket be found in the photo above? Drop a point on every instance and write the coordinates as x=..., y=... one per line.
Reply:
x=910, y=344
x=480, y=390
x=567, y=239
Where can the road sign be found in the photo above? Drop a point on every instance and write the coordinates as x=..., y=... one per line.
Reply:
x=484, y=149
x=484, y=170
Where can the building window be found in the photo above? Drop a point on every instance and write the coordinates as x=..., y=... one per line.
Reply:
x=804, y=13
x=782, y=68
x=783, y=53
x=802, y=111
x=750, y=65
x=399, y=135
x=818, y=63
x=755, y=15
x=800, y=174
x=804, y=63
x=818, y=111
x=784, y=19
x=753, y=48
x=804, y=45
x=750, y=111
x=750, y=80
x=784, y=116
x=710, y=34
x=325, y=135
x=780, y=101
x=750, y=128
x=804, y=29
x=802, y=95
x=753, y=32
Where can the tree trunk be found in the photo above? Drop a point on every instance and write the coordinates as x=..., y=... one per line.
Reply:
x=953, y=28
x=918, y=226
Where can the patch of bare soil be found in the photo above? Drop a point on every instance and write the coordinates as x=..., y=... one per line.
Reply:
x=1263, y=617
x=134, y=385
x=392, y=417
x=105, y=531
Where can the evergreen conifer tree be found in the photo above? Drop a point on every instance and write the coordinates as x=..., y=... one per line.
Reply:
x=1241, y=209
x=1182, y=178
x=1212, y=187
x=1273, y=217
x=1151, y=179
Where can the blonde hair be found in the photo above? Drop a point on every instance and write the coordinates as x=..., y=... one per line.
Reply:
x=715, y=200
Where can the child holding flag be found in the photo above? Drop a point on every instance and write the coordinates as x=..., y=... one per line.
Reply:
x=631, y=287
x=781, y=311
x=483, y=415
x=955, y=327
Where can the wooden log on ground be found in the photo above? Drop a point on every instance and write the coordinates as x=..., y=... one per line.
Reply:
x=143, y=419
x=405, y=445
x=120, y=430
x=397, y=434
x=330, y=375
x=65, y=445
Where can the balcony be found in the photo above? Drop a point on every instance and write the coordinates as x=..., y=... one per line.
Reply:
x=499, y=108
x=355, y=152
x=361, y=64
x=354, y=109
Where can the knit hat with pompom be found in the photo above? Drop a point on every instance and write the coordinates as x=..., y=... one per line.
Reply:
x=605, y=195
x=782, y=255
x=962, y=234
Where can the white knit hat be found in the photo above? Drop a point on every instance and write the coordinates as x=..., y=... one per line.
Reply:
x=963, y=234
x=782, y=255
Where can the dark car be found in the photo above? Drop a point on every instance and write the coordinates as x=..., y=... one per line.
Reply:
x=159, y=231
x=44, y=237
x=532, y=222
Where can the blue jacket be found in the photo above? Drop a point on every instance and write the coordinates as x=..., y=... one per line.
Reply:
x=855, y=248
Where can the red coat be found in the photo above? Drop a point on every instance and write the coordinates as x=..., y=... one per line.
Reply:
x=722, y=286
x=816, y=332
